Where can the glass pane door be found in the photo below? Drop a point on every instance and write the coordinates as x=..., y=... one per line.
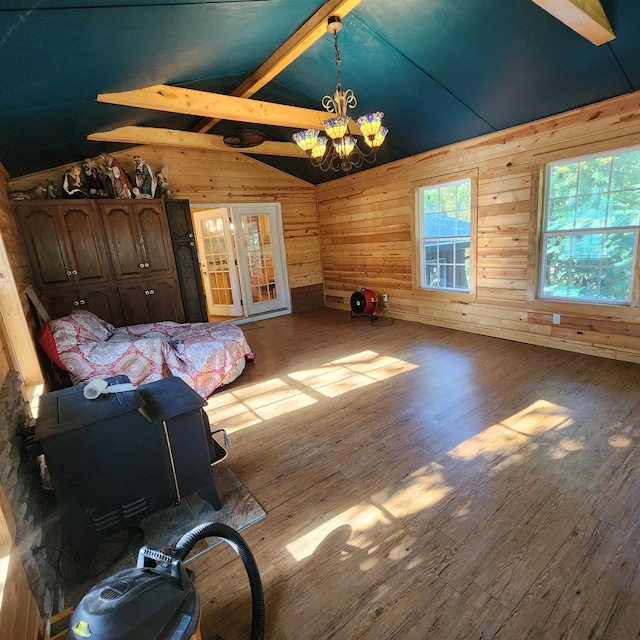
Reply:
x=261, y=257
x=217, y=263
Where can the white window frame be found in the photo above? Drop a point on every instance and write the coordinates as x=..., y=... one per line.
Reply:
x=572, y=233
x=422, y=239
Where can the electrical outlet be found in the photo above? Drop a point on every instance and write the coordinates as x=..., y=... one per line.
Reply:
x=556, y=318
x=384, y=297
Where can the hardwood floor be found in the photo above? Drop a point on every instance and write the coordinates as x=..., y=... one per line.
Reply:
x=427, y=483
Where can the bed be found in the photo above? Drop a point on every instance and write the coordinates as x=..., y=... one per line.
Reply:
x=206, y=356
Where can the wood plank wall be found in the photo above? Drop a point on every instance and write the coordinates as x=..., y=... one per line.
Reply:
x=20, y=617
x=19, y=614
x=366, y=228
x=16, y=322
x=206, y=177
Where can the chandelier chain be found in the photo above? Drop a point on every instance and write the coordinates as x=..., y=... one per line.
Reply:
x=338, y=60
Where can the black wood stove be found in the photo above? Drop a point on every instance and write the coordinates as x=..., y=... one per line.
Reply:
x=123, y=456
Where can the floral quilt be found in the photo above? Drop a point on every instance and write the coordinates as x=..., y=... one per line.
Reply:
x=204, y=355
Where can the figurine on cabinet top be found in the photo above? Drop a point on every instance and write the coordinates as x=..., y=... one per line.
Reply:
x=162, y=187
x=72, y=186
x=92, y=180
x=35, y=193
x=145, y=179
x=117, y=175
x=52, y=191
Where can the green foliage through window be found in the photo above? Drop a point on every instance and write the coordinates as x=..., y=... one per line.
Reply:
x=590, y=232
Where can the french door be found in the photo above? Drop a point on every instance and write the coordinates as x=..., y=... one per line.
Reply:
x=216, y=255
x=243, y=264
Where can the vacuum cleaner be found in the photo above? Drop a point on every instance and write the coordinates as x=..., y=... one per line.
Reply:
x=157, y=599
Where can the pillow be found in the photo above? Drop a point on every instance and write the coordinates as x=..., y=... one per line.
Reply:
x=47, y=342
x=122, y=337
x=89, y=327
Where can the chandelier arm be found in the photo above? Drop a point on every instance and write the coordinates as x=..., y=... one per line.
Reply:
x=370, y=156
x=329, y=104
x=350, y=99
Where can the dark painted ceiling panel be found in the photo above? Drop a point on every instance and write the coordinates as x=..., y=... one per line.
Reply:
x=441, y=70
x=509, y=61
x=624, y=16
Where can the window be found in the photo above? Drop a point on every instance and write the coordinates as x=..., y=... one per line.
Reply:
x=445, y=235
x=590, y=228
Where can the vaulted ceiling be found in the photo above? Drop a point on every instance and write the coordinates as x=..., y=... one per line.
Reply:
x=441, y=70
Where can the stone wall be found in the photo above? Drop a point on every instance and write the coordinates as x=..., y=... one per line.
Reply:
x=33, y=507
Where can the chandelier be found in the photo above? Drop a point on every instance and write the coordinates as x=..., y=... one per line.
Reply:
x=343, y=154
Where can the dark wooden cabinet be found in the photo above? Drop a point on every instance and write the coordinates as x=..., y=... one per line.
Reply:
x=180, y=220
x=65, y=243
x=151, y=301
x=114, y=258
x=186, y=257
x=104, y=302
x=138, y=238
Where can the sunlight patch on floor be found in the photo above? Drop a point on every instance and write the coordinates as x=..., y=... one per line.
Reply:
x=422, y=489
x=247, y=406
x=357, y=526
x=355, y=521
x=514, y=436
x=352, y=372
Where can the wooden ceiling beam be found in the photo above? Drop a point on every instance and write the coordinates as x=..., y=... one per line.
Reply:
x=586, y=17
x=308, y=34
x=162, y=97
x=191, y=140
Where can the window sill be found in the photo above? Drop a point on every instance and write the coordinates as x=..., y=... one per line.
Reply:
x=585, y=308
x=445, y=294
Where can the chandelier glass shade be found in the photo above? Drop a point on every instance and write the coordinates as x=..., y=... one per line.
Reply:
x=338, y=150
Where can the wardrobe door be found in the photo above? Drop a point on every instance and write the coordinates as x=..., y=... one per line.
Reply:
x=151, y=301
x=102, y=301
x=123, y=239
x=65, y=243
x=156, y=241
x=186, y=256
x=190, y=281
x=85, y=240
x=180, y=221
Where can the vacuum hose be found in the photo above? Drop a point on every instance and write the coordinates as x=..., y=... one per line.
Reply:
x=236, y=541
